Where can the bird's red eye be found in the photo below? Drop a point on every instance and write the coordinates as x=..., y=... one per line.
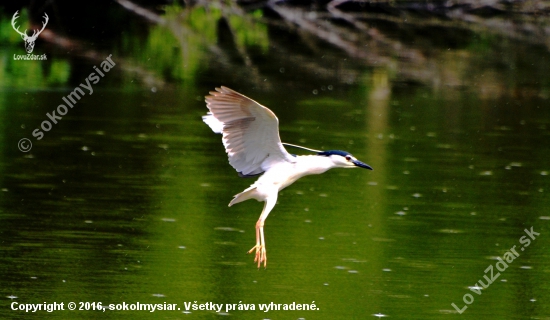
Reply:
x=348, y=158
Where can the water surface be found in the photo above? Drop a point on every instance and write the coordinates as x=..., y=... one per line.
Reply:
x=125, y=198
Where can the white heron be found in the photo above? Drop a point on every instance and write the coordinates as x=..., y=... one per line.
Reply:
x=251, y=140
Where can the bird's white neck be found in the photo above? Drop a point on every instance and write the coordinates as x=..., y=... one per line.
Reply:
x=284, y=174
x=307, y=165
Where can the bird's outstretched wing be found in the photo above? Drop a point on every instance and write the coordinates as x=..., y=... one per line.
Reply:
x=250, y=131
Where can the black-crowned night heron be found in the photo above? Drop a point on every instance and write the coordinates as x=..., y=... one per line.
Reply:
x=251, y=139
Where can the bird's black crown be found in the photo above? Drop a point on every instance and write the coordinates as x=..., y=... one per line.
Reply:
x=334, y=152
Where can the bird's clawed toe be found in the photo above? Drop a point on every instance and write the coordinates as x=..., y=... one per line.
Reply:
x=261, y=254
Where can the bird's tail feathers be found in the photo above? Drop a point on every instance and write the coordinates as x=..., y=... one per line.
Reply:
x=243, y=196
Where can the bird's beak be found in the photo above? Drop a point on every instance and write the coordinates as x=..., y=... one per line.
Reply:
x=360, y=164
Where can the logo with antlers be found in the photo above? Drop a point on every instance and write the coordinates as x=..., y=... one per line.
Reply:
x=29, y=41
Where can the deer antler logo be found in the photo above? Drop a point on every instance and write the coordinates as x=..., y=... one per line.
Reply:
x=29, y=41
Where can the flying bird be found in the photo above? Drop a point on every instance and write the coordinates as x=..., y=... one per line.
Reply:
x=251, y=139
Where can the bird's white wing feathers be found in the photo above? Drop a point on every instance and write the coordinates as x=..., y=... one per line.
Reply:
x=213, y=123
x=250, y=131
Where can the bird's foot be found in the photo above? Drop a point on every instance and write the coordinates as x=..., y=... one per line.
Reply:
x=261, y=255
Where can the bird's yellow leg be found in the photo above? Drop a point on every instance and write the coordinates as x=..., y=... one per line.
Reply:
x=263, y=252
x=258, y=243
x=261, y=255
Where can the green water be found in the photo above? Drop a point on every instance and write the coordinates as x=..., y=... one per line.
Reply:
x=125, y=199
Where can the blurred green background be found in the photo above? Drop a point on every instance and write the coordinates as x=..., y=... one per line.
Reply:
x=125, y=198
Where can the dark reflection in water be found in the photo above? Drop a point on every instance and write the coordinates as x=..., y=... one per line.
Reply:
x=125, y=198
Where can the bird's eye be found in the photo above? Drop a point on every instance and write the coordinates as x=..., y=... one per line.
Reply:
x=348, y=158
